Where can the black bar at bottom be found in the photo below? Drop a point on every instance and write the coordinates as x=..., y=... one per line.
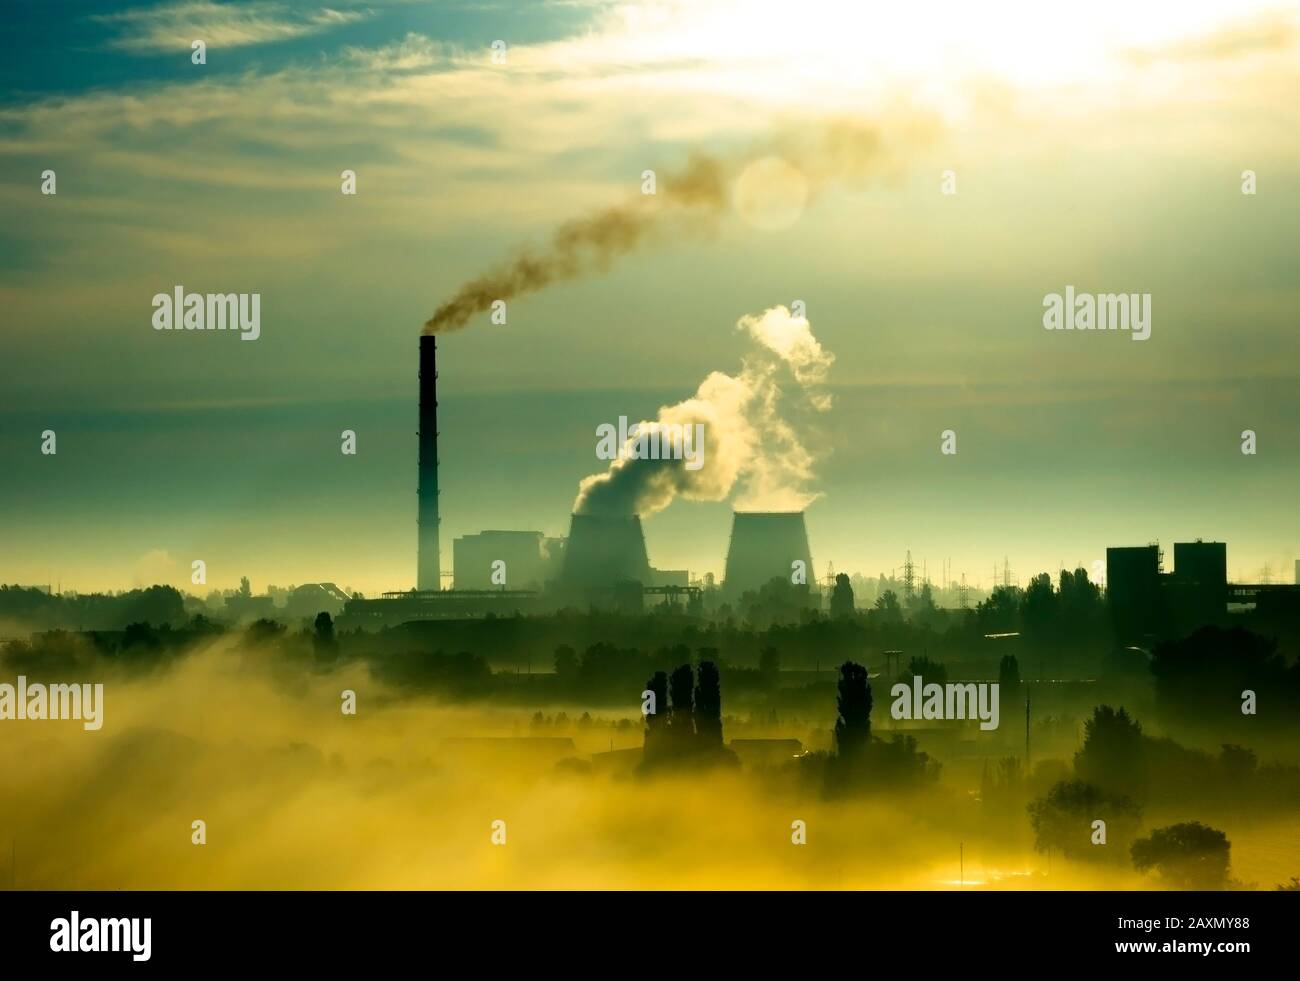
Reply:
x=490, y=931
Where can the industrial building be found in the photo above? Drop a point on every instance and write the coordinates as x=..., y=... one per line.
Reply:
x=529, y=560
x=1148, y=604
x=315, y=597
x=606, y=564
x=1133, y=592
x=765, y=545
x=602, y=562
x=604, y=550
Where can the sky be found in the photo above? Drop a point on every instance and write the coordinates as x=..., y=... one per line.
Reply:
x=1100, y=146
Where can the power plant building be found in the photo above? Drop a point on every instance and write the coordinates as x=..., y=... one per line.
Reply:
x=605, y=550
x=1147, y=603
x=1133, y=592
x=525, y=559
x=766, y=545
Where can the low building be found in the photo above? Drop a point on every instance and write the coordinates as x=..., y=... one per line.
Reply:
x=504, y=559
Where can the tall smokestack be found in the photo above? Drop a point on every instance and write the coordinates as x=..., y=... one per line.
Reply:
x=429, y=570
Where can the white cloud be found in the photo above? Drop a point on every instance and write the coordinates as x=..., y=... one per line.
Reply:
x=173, y=26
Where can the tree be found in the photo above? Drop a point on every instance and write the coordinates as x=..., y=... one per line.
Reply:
x=1039, y=610
x=777, y=601
x=1082, y=609
x=681, y=719
x=566, y=664
x=323, y=639
x=930, y=672
x=1063, y=820
x=922, y=607
x=1113, y=754
x=842, y=597
x=656, y=722
x=157, y=605
x=1239, y=764
x=853, y=727
x=1009, y=675
x=769, y=662
x=1000, y=613
x=263, y=631
x=202, y=625
x=1200, y=678
x=708, y=707
x=1188, y=856
x=888, y=607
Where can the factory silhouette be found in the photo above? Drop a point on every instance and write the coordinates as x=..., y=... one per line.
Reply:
x=603, y=564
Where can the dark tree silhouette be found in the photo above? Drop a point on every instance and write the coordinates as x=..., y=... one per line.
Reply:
x=1063, y=820
x=566, y=664
x=888, y=607
x=656, y=722
x=681, y=720
x=323, y=640
x=1189, y=855
x=1200, y=678
x=1009, y=675
x=931, y=672
x=1113, y=753
x=1040, y=610
x=1000, y=613
x=263, y=631
x=853, y=727
x=708, y=707
x=1239, y=764
x=842, y=597
x=777, y=601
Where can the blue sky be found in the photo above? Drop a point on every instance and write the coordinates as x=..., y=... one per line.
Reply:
x=72, y=46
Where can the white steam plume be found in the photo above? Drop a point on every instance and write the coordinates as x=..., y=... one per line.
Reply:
x=754, y=431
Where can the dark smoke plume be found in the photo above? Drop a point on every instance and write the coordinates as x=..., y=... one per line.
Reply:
x=581, y=245
x=850, y=151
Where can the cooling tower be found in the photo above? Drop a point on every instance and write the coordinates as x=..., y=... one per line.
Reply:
x=765, y=545
x=603, y=550
x=428, y=568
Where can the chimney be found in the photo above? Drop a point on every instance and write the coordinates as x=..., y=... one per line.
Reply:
x=428, y=574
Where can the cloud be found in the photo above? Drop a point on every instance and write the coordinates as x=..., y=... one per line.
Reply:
x=174, y=26
x=415, y=52
x=1264, y=34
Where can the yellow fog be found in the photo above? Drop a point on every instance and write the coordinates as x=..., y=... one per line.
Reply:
x=295, y=794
